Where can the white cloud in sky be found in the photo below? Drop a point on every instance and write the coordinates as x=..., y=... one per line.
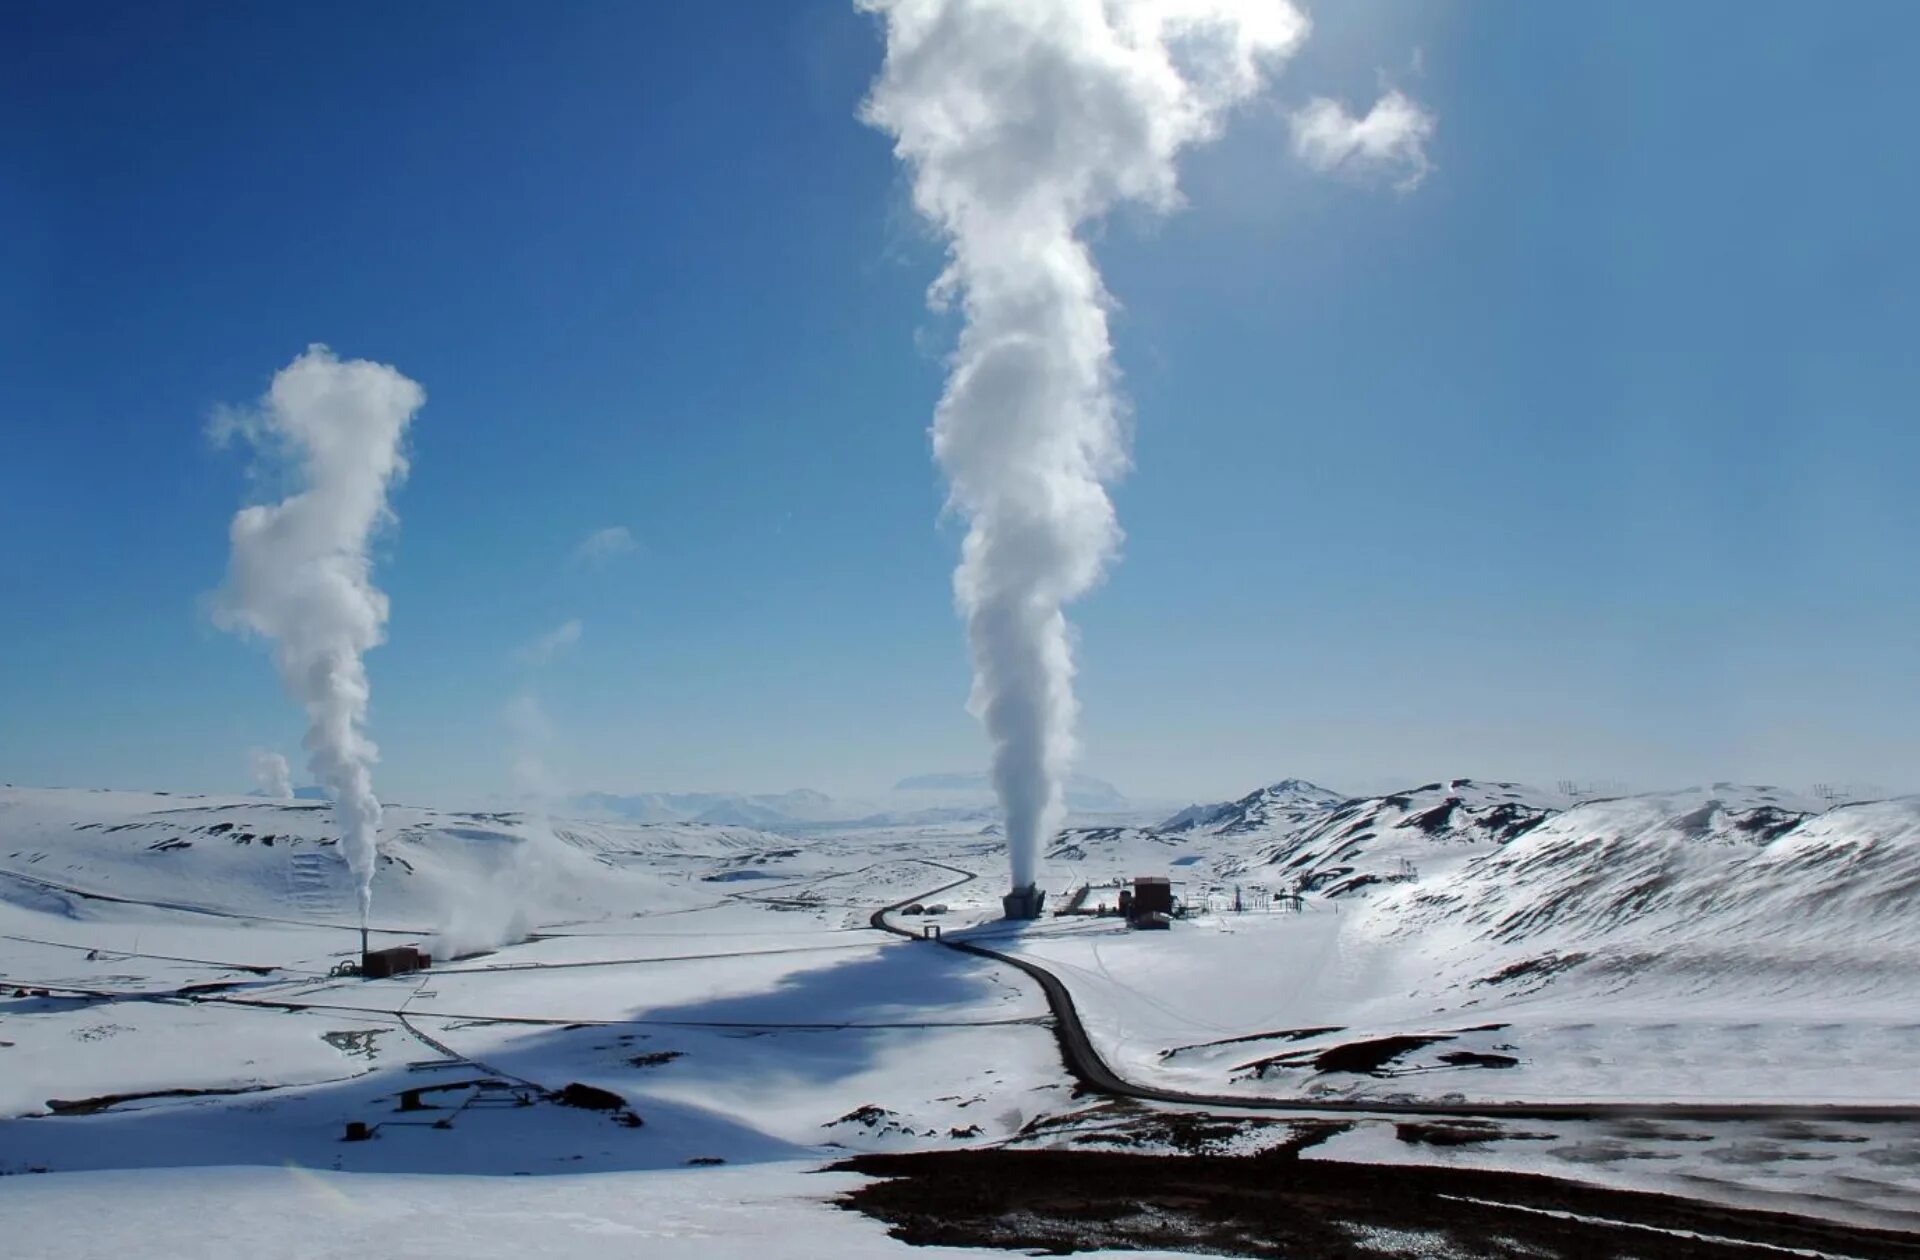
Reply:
x=1388, y=143
x=552, y=643
x=604, y=545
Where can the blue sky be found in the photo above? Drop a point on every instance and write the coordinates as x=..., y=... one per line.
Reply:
x=1591, y=457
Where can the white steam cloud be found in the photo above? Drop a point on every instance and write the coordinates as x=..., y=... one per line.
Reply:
x=1022, y=121
x=1389, y=143
x=271, y=774
x=499, y=906
x=603, y=546
x=553, y=643
x=299, y=572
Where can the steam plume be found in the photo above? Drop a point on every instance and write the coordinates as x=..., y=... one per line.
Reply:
x=1022, y=121
x=271, y=774
x=299, y=571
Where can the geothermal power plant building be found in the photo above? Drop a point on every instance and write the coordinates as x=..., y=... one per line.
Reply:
x=1023, y=903
x=1149, y=903
x=400, y=960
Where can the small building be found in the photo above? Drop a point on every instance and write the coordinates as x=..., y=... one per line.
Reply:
x=1152, y=894
x=1149, y=904
x=400, y=960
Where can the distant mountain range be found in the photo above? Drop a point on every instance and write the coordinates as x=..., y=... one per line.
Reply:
x=925, y=798
x=1084, y=792
x=1288, y=800
x=1297, y=836
x=730, y=809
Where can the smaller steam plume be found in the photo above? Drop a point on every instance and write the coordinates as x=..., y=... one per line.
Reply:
x=299, y=574
x=535, y=871
x=271, y=774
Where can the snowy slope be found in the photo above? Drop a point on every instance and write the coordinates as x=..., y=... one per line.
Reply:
x=1391, y=838
x=1750, y=887
x=1293, y=837
x=769, y=1212
x=725, y=982
x=1284, y=804
x=468, y=873
x=1717, y=943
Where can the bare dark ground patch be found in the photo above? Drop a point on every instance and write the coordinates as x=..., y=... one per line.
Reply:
x=1372, y=1057
x=102, y=1102
x=1285, y=1034
x=1275, y=1204
x=1124, y=1125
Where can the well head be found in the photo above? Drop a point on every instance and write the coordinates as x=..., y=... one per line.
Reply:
x=1023, y=903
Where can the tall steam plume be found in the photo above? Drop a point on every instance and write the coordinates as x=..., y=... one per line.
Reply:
x=1022, y=121
x=299, y=571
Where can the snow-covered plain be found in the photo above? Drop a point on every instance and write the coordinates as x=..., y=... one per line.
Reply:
x=1720, y=945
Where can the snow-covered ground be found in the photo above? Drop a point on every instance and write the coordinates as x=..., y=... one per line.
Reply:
x=724, y=982
x=771, y=1212
x=1713, y=945
x=1720, y=945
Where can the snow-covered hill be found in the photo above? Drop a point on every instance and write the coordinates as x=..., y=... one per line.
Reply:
x=1723, y=890
x=1716, y=942
x=168, y=960
x=1283, y=804
x=1394, y=837
x=474, y=877
x=1458, y=899
x=1296, y=837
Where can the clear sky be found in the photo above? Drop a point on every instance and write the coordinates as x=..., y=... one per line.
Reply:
x=1593, y=456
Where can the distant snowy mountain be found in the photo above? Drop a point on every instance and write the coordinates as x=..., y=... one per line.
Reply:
x=1670, y=860
x=1523, y=883
x=920, y=800
x=1385, y=838
x=1723, y=894
x=1297, y=837
x=1717, y=942
x=731, y=809
x=1083, y=792
x=1290, y=800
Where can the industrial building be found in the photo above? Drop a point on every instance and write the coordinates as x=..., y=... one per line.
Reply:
x=400, y=960
x=1149, y=903
x=1023, y=903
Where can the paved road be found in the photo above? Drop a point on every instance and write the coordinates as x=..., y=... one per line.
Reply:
x=1086, y=1066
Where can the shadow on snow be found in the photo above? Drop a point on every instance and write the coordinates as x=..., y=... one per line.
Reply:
x=900, y=985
